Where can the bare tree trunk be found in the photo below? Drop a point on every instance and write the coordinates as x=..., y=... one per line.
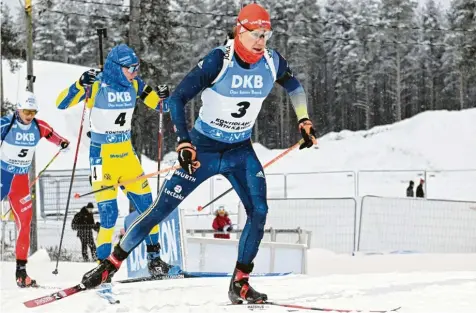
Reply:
x=461, y=90
x=367, y=102
x=398, y=91
x=134, y=24
x=432, y=92
x=343, y=113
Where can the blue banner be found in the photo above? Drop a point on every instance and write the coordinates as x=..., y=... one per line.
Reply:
x=171, y=242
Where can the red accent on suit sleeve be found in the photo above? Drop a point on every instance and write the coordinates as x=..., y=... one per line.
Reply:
x=46, y=131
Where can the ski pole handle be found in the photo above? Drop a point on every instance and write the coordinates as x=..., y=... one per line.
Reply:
x=282, y=154
x=130, y=181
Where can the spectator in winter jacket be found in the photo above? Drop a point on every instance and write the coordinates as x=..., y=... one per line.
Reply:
x=419, y=190
x=410, y=189
x=83, y=222
x=222, y=224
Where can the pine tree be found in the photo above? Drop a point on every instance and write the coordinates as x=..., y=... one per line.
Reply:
x=431, y=52
x=278, y=108
x=191, y=44
x=109, y=14
x=222, y=20
x=339, y=36
x=157, y=44
x=397, y=18
x=458, y=60
x=10, y=37
x=367, y=50
x=77, y=33
x=49, y=36
x=304, y=54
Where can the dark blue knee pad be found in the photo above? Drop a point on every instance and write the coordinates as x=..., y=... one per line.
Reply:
x=108, y=212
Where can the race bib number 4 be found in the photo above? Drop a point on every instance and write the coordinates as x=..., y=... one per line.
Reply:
x=96, y=169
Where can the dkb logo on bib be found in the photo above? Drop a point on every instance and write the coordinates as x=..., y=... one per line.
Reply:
x=118, y=96
x=247, y=81
x=25, y=136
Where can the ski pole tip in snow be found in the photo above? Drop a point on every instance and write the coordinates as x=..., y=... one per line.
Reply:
x=77, y=195
x=199, y=208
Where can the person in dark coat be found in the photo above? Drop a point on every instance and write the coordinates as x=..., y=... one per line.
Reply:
x=83, y=222
x=222, y=224
x=410, y=189
x=420, y=193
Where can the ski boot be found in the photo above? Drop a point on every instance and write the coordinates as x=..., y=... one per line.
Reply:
x=240, y=289
x=105, y=270
x=156, y=266
x=108, y=279
x=23, y=280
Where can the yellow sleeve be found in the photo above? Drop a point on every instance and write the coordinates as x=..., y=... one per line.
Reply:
x=152, y=100
x=74, y=94
x=92, y=97
x=147, y=95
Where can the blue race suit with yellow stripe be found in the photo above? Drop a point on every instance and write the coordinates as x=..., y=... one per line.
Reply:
x=233, y=92
x=111, y=101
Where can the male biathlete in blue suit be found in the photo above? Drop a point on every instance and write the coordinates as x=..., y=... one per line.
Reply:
x=234, y=80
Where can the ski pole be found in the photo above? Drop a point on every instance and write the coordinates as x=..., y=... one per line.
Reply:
x=161, y=125
x=47, y=165
x=130, y=181
x=279, y=156
x=101, y=33
x=55, y=272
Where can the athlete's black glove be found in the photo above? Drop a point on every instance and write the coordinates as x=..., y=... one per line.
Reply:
x=88, y=77
x=163, y=91
x=64, y=144
x=187, y=157
x=308, y=133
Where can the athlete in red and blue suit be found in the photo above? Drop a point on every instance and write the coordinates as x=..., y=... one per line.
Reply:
x=20, y=134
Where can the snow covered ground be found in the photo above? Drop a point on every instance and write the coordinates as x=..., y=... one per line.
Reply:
x=418, y=283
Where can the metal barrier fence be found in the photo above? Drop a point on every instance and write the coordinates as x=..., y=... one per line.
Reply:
x=419, y=225
x=8, y=235
x=439, y=184
x=49, y=234
x=384, y=225
x=54, y=187
x=332, y=221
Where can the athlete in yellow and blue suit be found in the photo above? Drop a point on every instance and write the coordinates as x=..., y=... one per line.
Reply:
x=111, y=100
